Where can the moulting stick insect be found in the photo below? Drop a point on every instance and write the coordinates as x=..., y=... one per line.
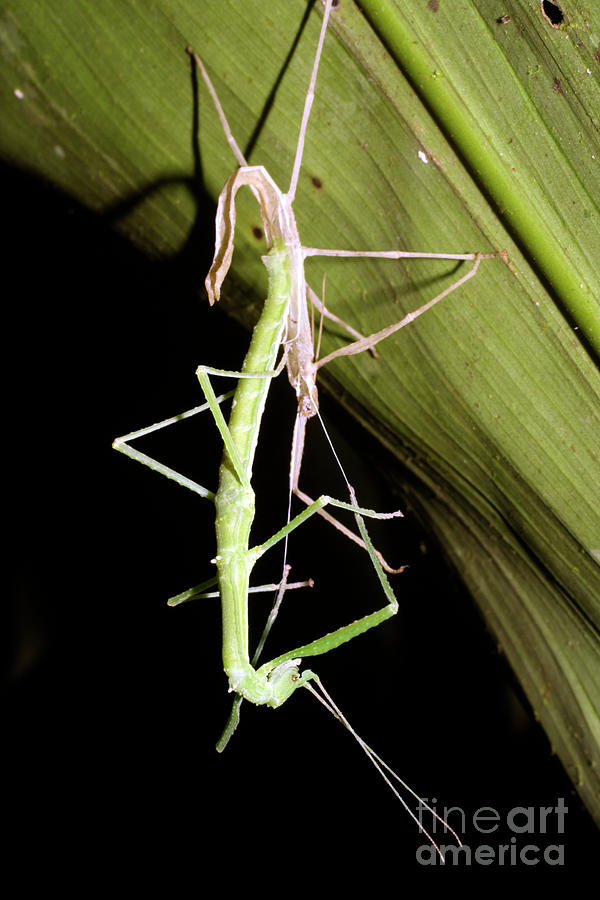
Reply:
x=283, y=327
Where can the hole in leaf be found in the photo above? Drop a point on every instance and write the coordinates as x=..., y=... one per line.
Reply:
x=552, y=13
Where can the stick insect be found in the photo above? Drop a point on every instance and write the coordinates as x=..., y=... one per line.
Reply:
x=283, y=323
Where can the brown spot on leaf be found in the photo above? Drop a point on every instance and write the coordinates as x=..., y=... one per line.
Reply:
x=317, y=182
x=433, y=5
x=257, y=232
x=557, y=86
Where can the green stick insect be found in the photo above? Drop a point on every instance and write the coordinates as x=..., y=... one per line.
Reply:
x=284, y=323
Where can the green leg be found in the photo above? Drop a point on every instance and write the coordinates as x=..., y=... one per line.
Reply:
x=199, y=591
x=213, y=403
x=122, y=445
x=202, y=373
x=318, y=504
x=232, y=723
x=346, y=632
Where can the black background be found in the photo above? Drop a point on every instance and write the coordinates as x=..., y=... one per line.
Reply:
x=113, y=702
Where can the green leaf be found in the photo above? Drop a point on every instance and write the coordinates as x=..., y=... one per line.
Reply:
x=435, y=127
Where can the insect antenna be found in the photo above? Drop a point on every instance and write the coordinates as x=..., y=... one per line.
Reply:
x=382, y=767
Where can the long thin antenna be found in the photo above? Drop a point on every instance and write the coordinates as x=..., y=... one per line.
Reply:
x=381, y=765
